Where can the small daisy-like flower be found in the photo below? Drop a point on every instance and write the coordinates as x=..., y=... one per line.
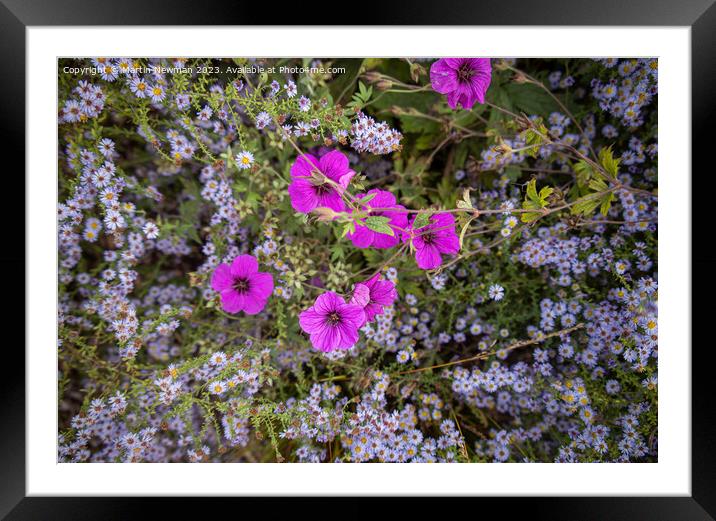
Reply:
x=244, y=160
x=90, y=235
x=205, y=113
x=291, y=89
x=496, y=292
x=109, y=72
x=304, y=104
x=106, y=147
x=218, y=387
x=139, y=87
x=151, y=230
x=262, y=120
x=157, y=93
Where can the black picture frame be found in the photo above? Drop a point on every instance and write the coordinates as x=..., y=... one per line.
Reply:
x=700, y=15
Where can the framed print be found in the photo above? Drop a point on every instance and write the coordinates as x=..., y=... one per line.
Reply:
x=377, y=260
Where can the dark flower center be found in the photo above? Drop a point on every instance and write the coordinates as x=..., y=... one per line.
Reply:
x=428, y=237
x=465, y=72
x=241, y=285
x=322, y=189
x=333, y=318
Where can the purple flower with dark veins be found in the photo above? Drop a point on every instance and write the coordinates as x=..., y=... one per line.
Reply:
x=463, y=80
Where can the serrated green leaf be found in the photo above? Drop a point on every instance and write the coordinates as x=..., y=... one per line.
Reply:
x=379, y=224
x=367, y=198
x=464, y=229
x=532, y=190
x=607, y=160
x=586, y=205
x=606, y=203
x=421, y=220
x=529, y=204
x=528, y=217
x=545, y=193
x=465, y=203
x=533, y=140
x=584, y=172
x=598, y=185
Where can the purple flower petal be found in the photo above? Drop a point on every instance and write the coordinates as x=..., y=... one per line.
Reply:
x=464, y=80
x=361, y=295
x=326, y=339
x=311, y=321
x=348, y=334
x=244, y=266
x=334, y=165
x=222, y=279
x=303, y=166
x=428, y=257
x=328, y=302
x=352, y=314
x=232, y=301
x=253, y=305
x=363, y=237
x=261, y=286
x=442, y=77
x=332, y=200
x=303, y=195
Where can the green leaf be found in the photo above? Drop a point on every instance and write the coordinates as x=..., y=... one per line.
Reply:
x=418, y=125
x=465, y=202
x=598, y=185
x=545, y=192
x=532, y=190
x=606, y=203
x=341, y=84
x=584, y=172
x=607, y=160
x=349, y=227
x=527, y=217
x=586, y=205
x=461, y=154
x=421, y=220
x=426, y=142
x=379, y=224
x=367, y=198
x=535, y=201
x=337, y=252
x=533, y=139
x=497, y=96
x=530, y=99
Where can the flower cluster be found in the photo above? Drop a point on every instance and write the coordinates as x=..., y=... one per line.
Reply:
x=377, y=138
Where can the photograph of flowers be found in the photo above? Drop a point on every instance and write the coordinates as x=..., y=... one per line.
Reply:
x=331, y=260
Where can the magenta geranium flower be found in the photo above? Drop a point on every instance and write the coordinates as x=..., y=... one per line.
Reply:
x=242, y=286
x=372, y=295
x=435, y=239
x=309, y=190
x=464, y=80
x=364, y=237
x=332, y=323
